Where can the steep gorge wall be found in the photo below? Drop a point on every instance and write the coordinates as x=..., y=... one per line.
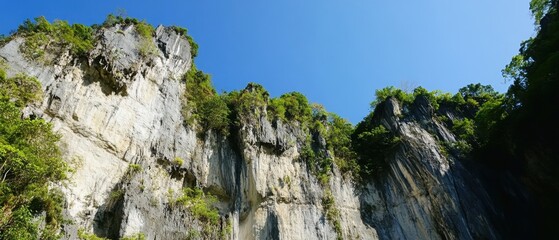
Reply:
x=117, y=109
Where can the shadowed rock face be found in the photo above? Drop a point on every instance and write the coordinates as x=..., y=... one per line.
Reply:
x=115, y=108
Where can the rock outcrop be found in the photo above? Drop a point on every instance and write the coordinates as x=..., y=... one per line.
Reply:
x=119, y=114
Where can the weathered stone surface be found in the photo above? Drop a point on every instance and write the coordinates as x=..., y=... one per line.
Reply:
x=116, y=108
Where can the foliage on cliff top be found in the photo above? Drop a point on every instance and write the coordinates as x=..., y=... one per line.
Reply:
x=203, y=105
x=193, y=45
x=41, y=36
x=523, y=125
x=29, y=161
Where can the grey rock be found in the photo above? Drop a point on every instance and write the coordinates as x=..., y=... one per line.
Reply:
x=115, y=108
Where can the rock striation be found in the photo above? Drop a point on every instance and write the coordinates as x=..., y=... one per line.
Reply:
x=119, y=115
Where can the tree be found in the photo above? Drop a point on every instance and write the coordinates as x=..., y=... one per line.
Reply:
x=29, y=161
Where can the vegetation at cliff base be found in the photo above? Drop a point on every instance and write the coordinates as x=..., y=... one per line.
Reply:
x=512, y=134
x=29, y=161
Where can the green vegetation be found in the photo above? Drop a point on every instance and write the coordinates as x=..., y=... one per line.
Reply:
x=3, y=39
x=214, y=114
x=249, y=102
x=137, y=236
x=178, y=161
x=338, y=138
x=82, y=235
x=292, y=106
x=385, y=93
x=144, y=30
x=193, y=45
x=115, y=195
x=132, y=170
x=29, y=161
x=372, y=144
x=520, y=130
x=147, y=46
x=42, y=36
x=332, y=213
x=201, y=205
x=203, y=105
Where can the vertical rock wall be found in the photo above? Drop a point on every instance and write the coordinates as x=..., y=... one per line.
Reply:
x=121, y=126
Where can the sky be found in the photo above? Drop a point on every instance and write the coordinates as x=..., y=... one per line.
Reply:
x=335, y=52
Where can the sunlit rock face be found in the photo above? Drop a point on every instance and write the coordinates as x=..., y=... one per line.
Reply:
x=119, y=115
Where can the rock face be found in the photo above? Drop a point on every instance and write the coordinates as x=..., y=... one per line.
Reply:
x=119, y=116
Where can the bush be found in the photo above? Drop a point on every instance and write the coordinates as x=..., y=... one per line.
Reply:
x=487, y=117
x=292, y=106
x=178, y=161
x=193, y=46
x=214, y=114
x=4, y=39
x=34, y=46
x=82, y=235
x=21, y=89
x=338, y=139
x=203, y=104
x=372, y=143
x=30, y=160
x=332, y=213
x=247, y=103
x=137, y=236
x=464, y=129
x=200, y=205
x=432, y=97
x=145, y=31
x=40, y=35
x=385, y=93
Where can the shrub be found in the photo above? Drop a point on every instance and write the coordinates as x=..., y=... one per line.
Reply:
x=214, y=114
x=338, y=139
x=30, y=160
x=137, y=236
x=21, y=89
x=464, y=129
x=180, y=30
x=34, y=46
x=332, y=213
x=372, y=143
x=385, y=93
x=292, y=106
x=178, y=161
x=200, y=205
x=40, y=35
x=145, y=31
x=4, y=39
x=193, y=46
x=487, y=117
x=431, y=96
x=203, y=104
x=82, y=235
x=115, y=195
x=251, y=100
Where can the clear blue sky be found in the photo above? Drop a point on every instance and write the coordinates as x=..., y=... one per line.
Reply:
x=335, y=52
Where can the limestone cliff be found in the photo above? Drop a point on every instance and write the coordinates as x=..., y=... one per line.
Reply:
x=119, y=114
